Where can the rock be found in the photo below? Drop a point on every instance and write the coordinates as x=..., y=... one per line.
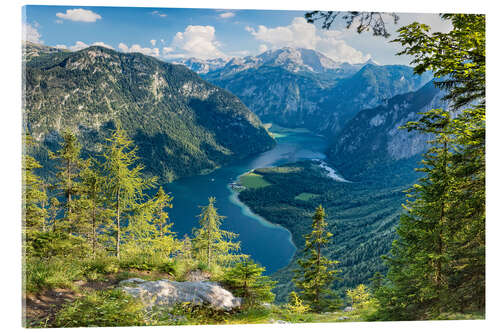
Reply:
x=348, y=309
x=132, y=280
x=344, y=318
x=197, y=276
x=166, y=293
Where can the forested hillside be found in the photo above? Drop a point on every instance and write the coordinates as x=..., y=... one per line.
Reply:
x=181, y=124
x=373, y=142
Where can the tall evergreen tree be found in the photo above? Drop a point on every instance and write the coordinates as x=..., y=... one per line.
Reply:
x=316, y=274
x=124, y=181
x=212, y=244
x=69, y=166
x=33, y=190
x=93, y=214
x=437, y=264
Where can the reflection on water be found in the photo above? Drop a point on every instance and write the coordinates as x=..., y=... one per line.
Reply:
x=268, y=244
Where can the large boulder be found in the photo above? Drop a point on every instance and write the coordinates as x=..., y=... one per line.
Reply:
x=166, y=293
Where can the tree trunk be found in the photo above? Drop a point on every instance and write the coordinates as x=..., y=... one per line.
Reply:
x=94, y=236
x=118, y=230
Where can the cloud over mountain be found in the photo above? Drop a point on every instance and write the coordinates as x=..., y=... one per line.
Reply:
x=300, y=34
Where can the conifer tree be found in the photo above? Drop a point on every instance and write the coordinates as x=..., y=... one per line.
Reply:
x=94, y=214
x=437, y=264
x=33, y=190
x=124, y=181
x=245, y=279
x=69, y=166
x=53, y=210
x=212, y=244
x=161, y=201
x=316, y=274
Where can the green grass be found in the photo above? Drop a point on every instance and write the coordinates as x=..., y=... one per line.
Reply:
x=305, y=196
x=253, y=180
x=103, y=309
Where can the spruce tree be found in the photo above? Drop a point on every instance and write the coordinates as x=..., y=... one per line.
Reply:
x=212, y=244
x=94, y=214
x=33, y=190
x=437, y=262
x=245, y=280
x=69, y=166
x=124, y=181
x=315, y=276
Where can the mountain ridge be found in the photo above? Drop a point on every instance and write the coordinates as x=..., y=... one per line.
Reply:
x=182, y=124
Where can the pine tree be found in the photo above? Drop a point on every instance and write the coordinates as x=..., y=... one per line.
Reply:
x=212, y=244
x=33, y=191
x=437, y=264
x=124, y=182
x=69, y=166
x=161, y=201
x=315, y=275
x=245, y=280
x=93, y=215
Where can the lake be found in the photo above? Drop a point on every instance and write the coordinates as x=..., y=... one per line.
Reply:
x=268, y=244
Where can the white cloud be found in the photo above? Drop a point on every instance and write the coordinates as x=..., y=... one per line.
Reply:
x=226, y=15
x=153, y=42
x=155, y=52
x=59, y=21
x=31, y=34
x=157, y=13
x=262, y=48
x=196, y=41
x=79, y=15
x=167, y=50
x=301, y=34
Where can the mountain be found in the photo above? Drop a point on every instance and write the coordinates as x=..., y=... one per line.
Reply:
x=202, y=66
x=372, y=140
x=182, y=124
x=303, y=88
x=370, y=86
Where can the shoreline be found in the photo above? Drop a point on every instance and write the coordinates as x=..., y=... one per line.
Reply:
x=247, y=211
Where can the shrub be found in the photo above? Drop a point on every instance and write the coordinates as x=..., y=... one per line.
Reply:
x=102, y=308
x=51, y=244
x=43, y=274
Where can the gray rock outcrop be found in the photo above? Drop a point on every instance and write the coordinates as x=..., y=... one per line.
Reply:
x=166, y=293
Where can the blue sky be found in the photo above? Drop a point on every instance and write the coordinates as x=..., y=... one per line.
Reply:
x=169, y=33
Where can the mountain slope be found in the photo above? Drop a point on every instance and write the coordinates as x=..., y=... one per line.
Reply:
x=372, y=140
x=303, y=88
x=182, y=124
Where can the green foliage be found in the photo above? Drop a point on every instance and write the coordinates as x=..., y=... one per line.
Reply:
x=50, y=244
x=212, y=244
x=295, y=304
x=48, y=273
x=245, y=280
x=102, y=309
x=33, y=190
x=316, y=273
x=69, y=164
x=124, y=182
x=458, y=57
x=437, y=264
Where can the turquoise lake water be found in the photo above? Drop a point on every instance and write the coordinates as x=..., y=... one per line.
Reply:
x=268, y=244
